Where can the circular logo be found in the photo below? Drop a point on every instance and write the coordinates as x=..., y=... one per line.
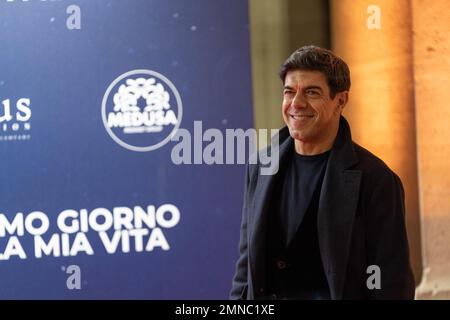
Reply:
x=141, y=110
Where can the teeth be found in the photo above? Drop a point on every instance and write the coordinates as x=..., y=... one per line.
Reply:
x=301, y=116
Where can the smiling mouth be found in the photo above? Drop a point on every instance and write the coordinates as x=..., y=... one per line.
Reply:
x=301, y=116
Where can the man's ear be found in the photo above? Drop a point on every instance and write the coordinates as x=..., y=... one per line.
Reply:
x=342, y=99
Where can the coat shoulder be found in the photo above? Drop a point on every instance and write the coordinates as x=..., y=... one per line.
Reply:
x=372, y=165
x=377, y=175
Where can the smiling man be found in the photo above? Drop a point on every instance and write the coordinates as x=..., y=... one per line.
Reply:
x=331, y=223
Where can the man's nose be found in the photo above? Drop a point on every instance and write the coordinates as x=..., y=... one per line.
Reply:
x=299, y=101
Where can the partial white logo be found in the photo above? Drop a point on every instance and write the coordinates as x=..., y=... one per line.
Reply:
x=141, y=110
x=15, y=119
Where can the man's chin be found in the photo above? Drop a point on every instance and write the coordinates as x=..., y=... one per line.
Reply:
x=297, y=134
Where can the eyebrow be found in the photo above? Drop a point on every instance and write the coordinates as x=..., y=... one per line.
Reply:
x=313, y=87
x=306, y=88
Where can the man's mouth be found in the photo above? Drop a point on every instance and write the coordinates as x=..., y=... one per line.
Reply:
x=301, y=116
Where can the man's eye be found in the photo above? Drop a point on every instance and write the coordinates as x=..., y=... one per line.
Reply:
x=288, y=92
x=312, y=92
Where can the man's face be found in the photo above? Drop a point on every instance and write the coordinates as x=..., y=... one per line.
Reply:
x=308, y=111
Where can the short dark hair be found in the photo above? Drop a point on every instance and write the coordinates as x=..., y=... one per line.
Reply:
x=313, y=58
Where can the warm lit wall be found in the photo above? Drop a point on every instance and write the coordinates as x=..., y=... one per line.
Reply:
x=381, y=107
x=431, y=26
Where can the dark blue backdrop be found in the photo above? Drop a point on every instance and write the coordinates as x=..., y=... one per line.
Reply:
x=68, y=161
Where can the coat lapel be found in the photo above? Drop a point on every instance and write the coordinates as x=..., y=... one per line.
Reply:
x=260, y=211
x=337, y=206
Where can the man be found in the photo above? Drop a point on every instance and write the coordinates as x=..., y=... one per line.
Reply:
x=330, y=224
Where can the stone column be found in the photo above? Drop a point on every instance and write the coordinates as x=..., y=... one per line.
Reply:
x=269, y=25
x=277, y=28
x=375, y=39
x=431, y=26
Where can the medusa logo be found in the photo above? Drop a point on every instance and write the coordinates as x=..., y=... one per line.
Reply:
x=141, y=110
